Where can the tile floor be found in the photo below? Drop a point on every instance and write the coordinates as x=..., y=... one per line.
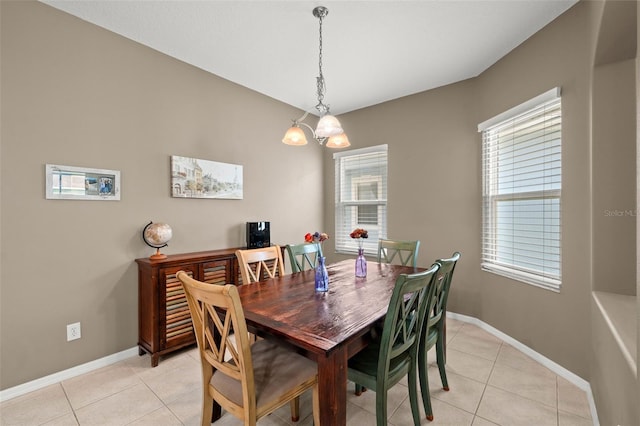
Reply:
x=491, y=384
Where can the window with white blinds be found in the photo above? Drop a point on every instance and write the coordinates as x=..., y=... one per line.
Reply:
x=522, y=183
x=361, y=197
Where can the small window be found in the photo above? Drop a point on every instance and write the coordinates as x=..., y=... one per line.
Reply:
x=367, y=188
x=522, y=183
x=361, y=197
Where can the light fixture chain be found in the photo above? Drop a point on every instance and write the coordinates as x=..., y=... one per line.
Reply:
x=320, y=51
x=329, y=129
x=321, y=107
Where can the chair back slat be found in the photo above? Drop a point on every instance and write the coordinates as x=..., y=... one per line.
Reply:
x=303, y=256
x=441, y=292
x=260, y=264
x=401, y=252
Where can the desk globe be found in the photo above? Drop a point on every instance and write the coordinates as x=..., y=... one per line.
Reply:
x=157, y=235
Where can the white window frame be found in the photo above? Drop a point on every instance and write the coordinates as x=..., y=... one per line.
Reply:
x=515, y=255
x=346, y=220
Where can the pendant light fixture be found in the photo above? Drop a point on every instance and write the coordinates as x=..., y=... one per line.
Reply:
x=329, y=129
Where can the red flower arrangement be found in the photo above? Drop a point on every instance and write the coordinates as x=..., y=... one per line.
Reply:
x=359, y=234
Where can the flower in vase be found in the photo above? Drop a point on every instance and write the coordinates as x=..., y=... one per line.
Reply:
x=316, y=237
x=359, y=234
x=321, y=276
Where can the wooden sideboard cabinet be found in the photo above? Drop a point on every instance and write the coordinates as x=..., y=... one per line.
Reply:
x=164, y=321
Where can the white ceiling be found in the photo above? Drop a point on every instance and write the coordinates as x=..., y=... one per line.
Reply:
x=373, y=51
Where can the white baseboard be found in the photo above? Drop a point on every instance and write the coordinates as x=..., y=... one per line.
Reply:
x=66, y=374
x=556, y=368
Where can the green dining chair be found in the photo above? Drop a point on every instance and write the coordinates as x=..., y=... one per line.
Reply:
x=443, y=333
x=387, y=360
x=433, y=332
x=395, y=251
x=303, y=256
x=402, y=252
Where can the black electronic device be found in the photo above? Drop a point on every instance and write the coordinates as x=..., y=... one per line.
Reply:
x=258, y=235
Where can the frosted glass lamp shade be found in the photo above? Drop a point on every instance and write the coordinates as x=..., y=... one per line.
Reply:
x=340, y=141
x=328, y=126
x=295, y=136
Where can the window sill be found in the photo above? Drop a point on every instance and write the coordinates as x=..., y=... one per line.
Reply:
x=531, y=279
x=620, y=313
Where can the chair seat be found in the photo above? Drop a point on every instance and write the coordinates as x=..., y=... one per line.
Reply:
x=431, y=338
x=276, y=371
x=366, y=361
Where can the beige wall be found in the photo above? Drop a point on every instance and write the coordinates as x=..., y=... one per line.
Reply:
x=614, y=150
x=435, y=185
x=75, y=94
x=614, y=189
x=556, y=325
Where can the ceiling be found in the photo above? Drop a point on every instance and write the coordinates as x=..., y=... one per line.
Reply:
x=373, y=51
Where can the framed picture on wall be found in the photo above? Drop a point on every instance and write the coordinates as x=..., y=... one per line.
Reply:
x=81, y=183
x=196, y=178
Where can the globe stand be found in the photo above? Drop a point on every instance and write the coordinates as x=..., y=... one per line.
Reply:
x=158, y=255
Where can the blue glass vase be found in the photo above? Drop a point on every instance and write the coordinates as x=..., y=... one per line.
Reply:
x=361, y=264
x=322, y=277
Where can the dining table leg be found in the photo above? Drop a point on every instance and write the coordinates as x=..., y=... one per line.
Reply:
x=216, y=413
x=332, y=387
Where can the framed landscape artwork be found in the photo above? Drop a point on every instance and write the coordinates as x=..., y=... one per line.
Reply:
x=196, y=178
x=81, y=183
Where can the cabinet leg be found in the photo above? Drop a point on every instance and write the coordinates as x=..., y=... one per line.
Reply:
x=154, y=360
x=141, y=351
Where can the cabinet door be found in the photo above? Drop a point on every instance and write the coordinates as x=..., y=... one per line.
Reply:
x=216, y=272
x=175, y=325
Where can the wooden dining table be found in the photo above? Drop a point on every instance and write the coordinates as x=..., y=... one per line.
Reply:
x=328, y=327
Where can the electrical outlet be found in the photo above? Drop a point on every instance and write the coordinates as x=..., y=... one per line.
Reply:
x=73, y=331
